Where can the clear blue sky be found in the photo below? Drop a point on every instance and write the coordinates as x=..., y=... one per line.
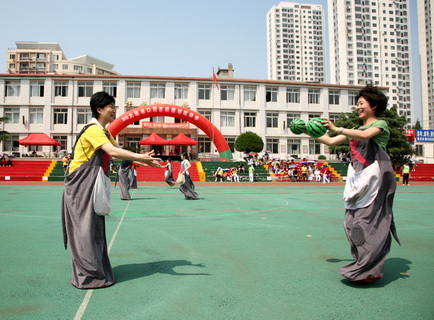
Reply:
x=156, y=37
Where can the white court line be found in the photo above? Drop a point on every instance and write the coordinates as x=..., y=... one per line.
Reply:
x=85, y=302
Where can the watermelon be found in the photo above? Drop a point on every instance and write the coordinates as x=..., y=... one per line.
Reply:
x=315, y=128
x=297, y=126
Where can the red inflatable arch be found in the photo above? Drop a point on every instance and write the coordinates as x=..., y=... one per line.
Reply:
x=170, y=110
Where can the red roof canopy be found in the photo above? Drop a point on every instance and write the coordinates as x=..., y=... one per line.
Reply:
x=38, y=139
x=154, y=139
x=182, y=140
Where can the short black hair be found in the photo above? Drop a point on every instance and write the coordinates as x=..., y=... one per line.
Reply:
x=375, y=97
x=100, y=100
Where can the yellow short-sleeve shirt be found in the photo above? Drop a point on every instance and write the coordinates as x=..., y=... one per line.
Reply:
x=90, y=141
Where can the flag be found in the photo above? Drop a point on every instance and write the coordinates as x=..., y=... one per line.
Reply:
x=214, y=76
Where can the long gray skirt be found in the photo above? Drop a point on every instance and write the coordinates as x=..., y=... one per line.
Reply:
x=168, y=178
x=84, y=229
x=125, y=181
x=187, y=188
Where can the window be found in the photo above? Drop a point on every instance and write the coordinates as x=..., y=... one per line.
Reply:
x=11, y=143
x=85, y=88
x=36, y=115
x=334, y=117
x=313, y=96
x=12, y=88
x=37, y=88
x=293, y=146
x=334, y=97
x=61, y=88
x=13, y=114
x=314, y=147
x=272, y=145
x=272, y=119
x=78, y=68
x=133, y=89
x=291, y=116
x=227, y=119
x=133, y=142
x=227, y=92
x=292, y=95
x=110, y=88
x=249, y=119
x=204, y=144
x=352, y=98
x=231, y=143
x=63, y=140
x=205, y=113
x=64, y=66
x=271, y=94
x=181, y=91
x=249, y=93
x=60, y=116
x=40, y=56
x=314, y=115
x=204, y=92
x=84, y=115
x=24, y=56
x=158, y=90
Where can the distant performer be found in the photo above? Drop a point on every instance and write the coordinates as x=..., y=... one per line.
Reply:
x=168, y=174
x=187, y=188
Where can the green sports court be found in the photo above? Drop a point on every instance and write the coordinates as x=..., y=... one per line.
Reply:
x=243, y=251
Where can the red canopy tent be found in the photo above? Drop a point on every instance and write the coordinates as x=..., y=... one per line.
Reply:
x=182, y=140
x=38, y=139
x=154, y=139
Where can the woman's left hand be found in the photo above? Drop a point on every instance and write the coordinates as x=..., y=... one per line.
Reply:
x=329, y=125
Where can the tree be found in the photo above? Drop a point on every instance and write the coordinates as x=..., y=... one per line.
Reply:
x=398, y=145
x=249, y=141
x=4, y=134
x=417, y=125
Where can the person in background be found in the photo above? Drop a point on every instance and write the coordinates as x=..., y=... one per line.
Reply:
x=168, y=174
x=405, y=173
x=370, y=187
x=251, y=173
x=187, y=188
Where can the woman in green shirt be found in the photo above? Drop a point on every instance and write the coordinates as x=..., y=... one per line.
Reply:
x=369, y=189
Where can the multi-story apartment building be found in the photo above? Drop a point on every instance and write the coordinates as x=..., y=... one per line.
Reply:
x=295, y=42
x=48, y=57
x=58, y=105
x=370, y=43
x=425, y=19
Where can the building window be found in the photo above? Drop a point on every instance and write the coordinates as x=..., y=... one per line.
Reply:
x=231, y=143
x=36, y=115
x=249, y=119
x=227, y=119
x=60, y=116
x=24, y=56
x=85, y=88
x=272, y=119
x=313, y=96
x=61, y=88
x=227, y=92
x=158, y=90
x=110, y=88
x=204, y=144
x=314, y=147
x=13, y=114
x=334, y=97
x=181, y=91
x=292, y=95
x=12, y=88
x=133, y=89
x=271, y=94
x=249, y=93
x=333, y=117
x=63, y=140
x=64, y=66
x=133, y=142
x=272, y=145
x=11, y=144
x=293, y=146
x=84, y=115
x=291, y=116
x=78, y=68
x=205, y=113
x=314, y=115
x=40, y=56
x=37, y=88
x=352, y=98
x=204, y=91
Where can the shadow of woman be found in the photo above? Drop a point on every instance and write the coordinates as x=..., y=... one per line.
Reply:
x=132, y=271
x=394, y=269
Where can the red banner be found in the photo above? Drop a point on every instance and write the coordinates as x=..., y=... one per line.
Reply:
x=181, y=125
x=410, y=133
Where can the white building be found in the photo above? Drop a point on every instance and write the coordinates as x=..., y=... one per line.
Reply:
x=370, y=43
x=265, y=107
x=48, y=57
x=425, y=19
x=295, y=42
